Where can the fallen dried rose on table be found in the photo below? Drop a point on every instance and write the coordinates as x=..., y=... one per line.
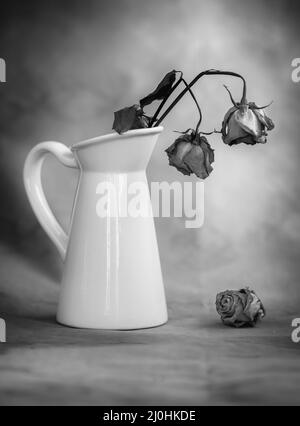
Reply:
x=245, y=122
x=239, y=308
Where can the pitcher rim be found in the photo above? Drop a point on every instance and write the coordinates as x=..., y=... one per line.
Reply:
x=111, y=136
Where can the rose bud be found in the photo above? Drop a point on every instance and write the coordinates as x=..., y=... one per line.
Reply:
x=245, y=122
x=191, y=153
x=239, y=308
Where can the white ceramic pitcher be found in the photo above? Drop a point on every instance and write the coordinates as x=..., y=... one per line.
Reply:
x=112, y=275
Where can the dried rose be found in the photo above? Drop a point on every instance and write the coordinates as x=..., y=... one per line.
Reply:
x=130, y=118
x=191, y=153
x=239, y=308
x=162, y=91
x=245, y=122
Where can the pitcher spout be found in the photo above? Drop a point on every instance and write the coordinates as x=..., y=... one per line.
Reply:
x=114, y=153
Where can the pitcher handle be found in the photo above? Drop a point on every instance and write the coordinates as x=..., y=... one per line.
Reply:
x=35, y=193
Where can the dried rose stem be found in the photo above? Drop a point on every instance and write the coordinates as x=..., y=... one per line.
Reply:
x=188, y=87
x=161, y=105
x=196, y=102
x=181, y=80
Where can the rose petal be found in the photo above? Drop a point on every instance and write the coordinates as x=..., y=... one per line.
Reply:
x=234, y=130
x=264, y=119
x=227, y=312
x=228, y=115
x=220, y=306
x=248, y=140
x=237, y=318
x=209, y=152
x=195, y=161
x=177, y=151
x=248, y=121
x=198, y=160
x=254, y=308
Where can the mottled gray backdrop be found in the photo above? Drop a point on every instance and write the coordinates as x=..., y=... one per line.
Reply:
x=70, y=64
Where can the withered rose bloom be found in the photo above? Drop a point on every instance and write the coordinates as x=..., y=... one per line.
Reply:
x=246, y=124
x=191, y=153
x=239, y=308
x=130, y=118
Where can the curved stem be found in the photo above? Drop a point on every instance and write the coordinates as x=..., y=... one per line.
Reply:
x=192, y=95
x=196, y=102
x=202, y=74
x=181, y=79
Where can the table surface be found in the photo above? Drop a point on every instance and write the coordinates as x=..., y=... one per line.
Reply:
x=193, y=359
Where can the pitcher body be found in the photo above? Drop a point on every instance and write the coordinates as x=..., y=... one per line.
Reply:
x=112, y=276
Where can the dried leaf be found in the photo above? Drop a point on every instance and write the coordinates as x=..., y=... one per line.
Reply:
x=162, y=90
